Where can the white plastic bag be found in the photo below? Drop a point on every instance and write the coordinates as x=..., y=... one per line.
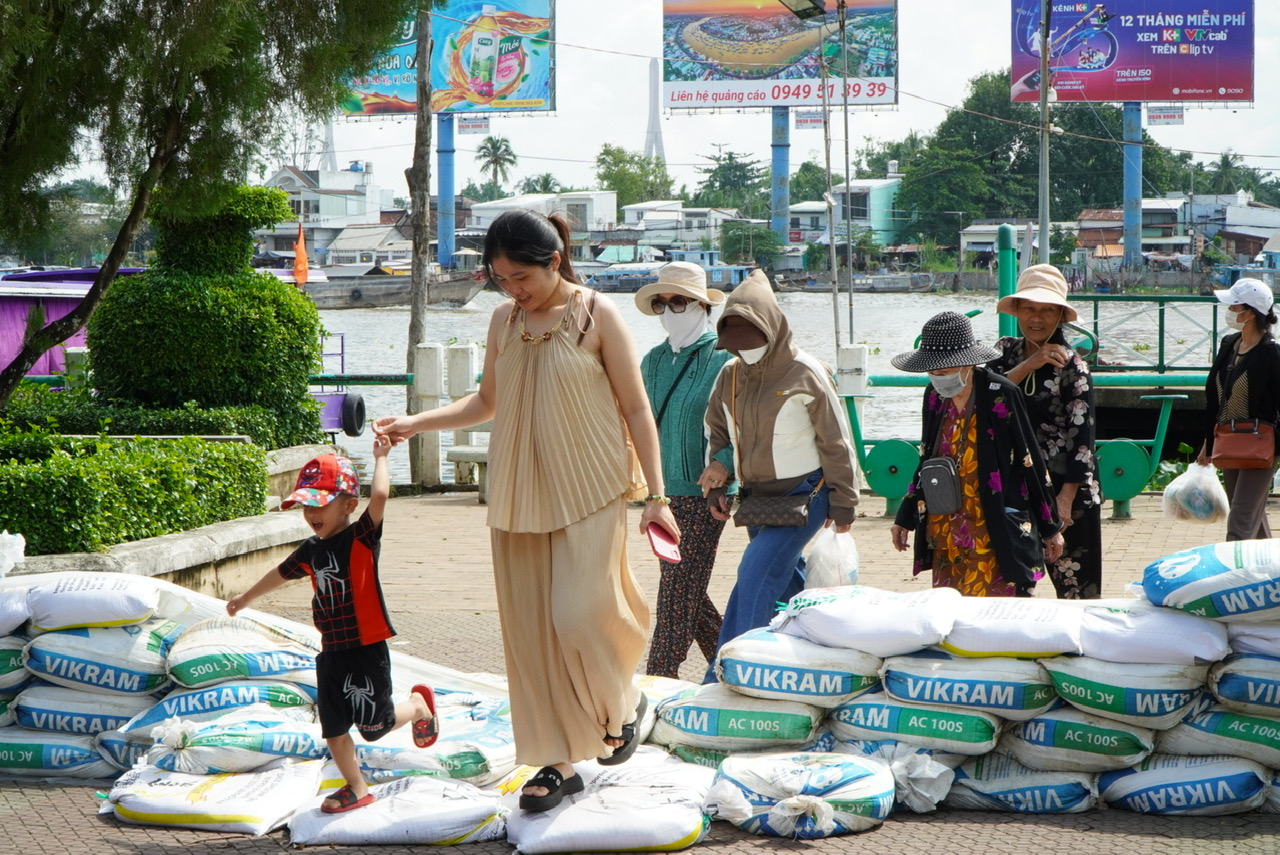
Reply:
x=1196, y=496
x=833, y=560
x=13, y=548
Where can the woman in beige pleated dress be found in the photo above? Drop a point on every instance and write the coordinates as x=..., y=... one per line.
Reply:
x=562, y=384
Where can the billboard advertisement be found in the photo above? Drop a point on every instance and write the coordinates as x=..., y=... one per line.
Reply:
x=492, y=57
x=747, y=53
x=1136, y=50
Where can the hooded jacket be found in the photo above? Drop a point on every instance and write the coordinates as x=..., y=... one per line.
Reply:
x=789, y=419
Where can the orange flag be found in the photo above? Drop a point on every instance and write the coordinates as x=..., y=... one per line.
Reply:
x=300, y=265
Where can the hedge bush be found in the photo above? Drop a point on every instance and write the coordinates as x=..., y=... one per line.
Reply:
x=80, y=411
x=83, y=495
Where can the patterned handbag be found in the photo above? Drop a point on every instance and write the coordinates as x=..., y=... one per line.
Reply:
x=792, y=510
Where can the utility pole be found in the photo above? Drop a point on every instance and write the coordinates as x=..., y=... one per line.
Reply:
x=1045, y=49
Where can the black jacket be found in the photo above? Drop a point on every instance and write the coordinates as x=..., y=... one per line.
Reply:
x=1262, y=364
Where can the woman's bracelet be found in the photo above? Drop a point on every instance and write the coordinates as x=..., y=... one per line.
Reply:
x=656, y=498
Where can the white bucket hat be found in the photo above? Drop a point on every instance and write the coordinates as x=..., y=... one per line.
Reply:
x=679, y=277
x=1253, y=293
x=1040, y=283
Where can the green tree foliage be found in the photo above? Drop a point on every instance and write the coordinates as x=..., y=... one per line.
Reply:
x=1062, y=243
x=942, y=191
x=734, y=182
x=634, y=177
x=544, y=183
x=487, y=192
x=496, y=158
x=748, y=243
x=809, y=183
x=873, y=158
x=216, y=331
x=174, y=93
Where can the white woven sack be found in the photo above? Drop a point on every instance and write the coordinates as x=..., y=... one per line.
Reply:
x=1014, y=689
x=1262, y=639
x=98, y=599
x=1221, y=731
x=12, y=672
x=13, y=610
x=1247, y=684
x=6, y=710
x=1017, y=627
x=39, y=754
x=882, y=623
x=714, y=716
x=225, y=648
x=1154, y=696
x=213, y=702
x=653, y=802
x=876, y=716
x=998, y=781
x=1070, y=740
x=406, y=812
x=478, y=750
x=1239, y=580
x=803, y=796
x=921, y=776
x=766, y=664
x=249, y=803
x=65, y=710
x=234, y=743
x=1137, y=631
x=122, y=750
x=1174, y=785
x=129, y=659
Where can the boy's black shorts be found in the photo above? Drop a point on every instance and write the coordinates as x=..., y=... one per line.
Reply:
x=354, y=687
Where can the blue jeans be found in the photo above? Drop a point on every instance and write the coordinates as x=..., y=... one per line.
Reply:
x=772, y=569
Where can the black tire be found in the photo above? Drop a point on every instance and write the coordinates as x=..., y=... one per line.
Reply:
x=356, y=295
x=353, y=415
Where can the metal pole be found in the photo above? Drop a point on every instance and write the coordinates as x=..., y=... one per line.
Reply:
x=1132, y=114
x=446, y=222
x=780, y=197
x=848, y=209
x=1045, y=50
x=827, y=197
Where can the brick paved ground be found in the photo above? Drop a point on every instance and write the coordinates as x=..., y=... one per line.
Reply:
x=436, y=574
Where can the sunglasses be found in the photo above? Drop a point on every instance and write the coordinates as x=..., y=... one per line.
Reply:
x=676, y=304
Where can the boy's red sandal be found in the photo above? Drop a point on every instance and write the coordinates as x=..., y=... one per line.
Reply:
x=426, y=730
x=346, y=799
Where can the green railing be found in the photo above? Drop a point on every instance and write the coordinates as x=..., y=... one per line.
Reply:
x=1171, y=354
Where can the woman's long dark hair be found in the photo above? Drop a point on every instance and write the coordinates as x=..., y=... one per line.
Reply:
x=527, y=237
x=1264, y=320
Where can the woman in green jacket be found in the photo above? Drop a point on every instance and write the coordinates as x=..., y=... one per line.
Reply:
x=678, y=374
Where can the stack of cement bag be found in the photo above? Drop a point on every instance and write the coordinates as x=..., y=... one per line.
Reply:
x=1167, y=704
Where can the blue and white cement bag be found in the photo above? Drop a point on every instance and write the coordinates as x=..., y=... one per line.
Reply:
x=1238, y=580
x=1174, y=785
x=1017, y=627
x=475, y=746
x=6, y=710
x=1221, y=731
x=213, y=702
x=64, y=710
x=1247, y=684
x=249, y=803
x=13, y=674
x=766, y=664
x=129, y=659
x=232, y=744
x=407, y=812
x=1070, y=740
x=716, y=717
x=40, y=754
x=653, y=802
x=1137, y=631
x=218, y=649
x=1153, y=696
x=921, y=776
x=1014, y=689
x=802, y=796
x=882, y=623
x=99, y=600
x=876, y=716
x=998, y=781
x=13, y=611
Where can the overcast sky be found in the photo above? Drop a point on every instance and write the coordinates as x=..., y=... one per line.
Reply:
x=602, y=97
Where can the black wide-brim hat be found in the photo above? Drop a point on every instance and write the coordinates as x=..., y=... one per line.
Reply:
x=945, y=342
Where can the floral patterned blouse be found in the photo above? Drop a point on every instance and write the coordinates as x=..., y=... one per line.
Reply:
x=1059, y=402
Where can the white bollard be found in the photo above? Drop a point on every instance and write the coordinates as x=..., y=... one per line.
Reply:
x=425, y=458
x=463, y=364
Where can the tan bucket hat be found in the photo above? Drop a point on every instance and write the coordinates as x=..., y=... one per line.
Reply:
x=679, y=277
x=1040, y=283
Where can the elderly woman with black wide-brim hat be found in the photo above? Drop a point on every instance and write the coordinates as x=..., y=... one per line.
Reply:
x=1005, y=525
x=1058, y=392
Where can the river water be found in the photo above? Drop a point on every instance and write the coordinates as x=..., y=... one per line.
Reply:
x=375, y=341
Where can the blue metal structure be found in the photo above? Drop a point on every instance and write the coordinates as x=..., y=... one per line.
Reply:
x=445, y=219
x=780, y=197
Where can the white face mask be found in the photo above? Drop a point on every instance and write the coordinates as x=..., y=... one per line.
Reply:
x=684, y=328
x=950, y=385
x=1237, y=320
x=753, y=355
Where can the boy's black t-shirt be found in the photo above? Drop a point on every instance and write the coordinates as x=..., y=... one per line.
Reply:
x=348, y=607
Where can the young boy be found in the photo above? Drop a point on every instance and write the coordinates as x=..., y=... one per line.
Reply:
x=353, y=670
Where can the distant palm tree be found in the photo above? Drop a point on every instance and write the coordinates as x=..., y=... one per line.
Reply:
x=496, y=158
x=544, y=183
x=1227, y=174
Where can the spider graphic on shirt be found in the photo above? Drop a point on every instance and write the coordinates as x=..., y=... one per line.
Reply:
x=329, y=582
x=359, y=696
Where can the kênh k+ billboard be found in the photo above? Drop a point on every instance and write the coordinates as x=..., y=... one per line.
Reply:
x=1136, y=50
x=745, y=53
x=487, y=57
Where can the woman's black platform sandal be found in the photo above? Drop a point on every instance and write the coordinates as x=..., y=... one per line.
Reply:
x=558, y=786
x=623, y=752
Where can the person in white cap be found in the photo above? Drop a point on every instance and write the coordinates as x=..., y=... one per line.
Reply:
x=1244, y=384
x=1058, y=393
x=678, y=374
